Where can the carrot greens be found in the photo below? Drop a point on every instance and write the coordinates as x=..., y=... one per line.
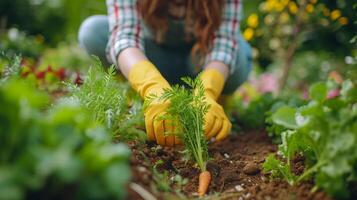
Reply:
x=186, y=111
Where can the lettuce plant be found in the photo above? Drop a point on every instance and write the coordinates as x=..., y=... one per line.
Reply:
x=324, y=131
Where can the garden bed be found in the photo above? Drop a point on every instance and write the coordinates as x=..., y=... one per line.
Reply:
x=235, y=166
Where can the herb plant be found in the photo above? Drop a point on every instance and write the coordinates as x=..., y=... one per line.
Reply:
x=111, y=102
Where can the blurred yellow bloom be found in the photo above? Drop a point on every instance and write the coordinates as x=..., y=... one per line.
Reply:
x=246, y=92
x=293, y=7
x=343, y=20
x=279, y=7
x=326, y=12
x=253, y=20
x=270, y=5
x=313, y=1
x=248, y=34
x=285, y=2
x=310, y=8
x=335, y=14
x=284, y=18
x=269, y=20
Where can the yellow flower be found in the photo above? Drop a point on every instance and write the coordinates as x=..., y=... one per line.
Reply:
x=270, y=5
x=310, y=8
x=284, y=17
x=335, y=14
x=248, y=34
x=293, y=7
x=343, y=20
x=253, y=20
x=279, y=7
x=326, y=12
x=285, y=2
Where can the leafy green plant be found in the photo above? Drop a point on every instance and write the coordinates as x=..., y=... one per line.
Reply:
x=111, y=102
x=57, y=152
x=251, y=115
x=256, y=114
x=275, y=130
x=188, y=108
x=324, y=131
x=186, y=112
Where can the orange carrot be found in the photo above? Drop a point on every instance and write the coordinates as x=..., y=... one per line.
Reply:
x=203, y=182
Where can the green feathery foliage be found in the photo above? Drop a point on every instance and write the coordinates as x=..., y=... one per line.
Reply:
x=186, y=111
x=111, y=102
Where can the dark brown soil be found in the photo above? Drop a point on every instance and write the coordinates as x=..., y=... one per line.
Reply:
x=236, y=169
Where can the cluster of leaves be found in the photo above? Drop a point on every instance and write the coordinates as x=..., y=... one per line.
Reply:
x=111, y=102
x=56, y=20
x=324, y=131
x=186, y=111
x=251, y=115
x=61, y=152
x=274, y=130
x=256, y=114
x=16, y=42
x=312, y=66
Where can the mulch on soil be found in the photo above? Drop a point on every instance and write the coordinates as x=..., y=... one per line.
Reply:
x=236, y=169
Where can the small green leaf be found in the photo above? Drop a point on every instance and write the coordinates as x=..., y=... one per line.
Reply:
x=278, y=169
x=285, y=116
x=318, y=91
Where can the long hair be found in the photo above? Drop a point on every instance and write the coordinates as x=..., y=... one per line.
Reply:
x=203, y=15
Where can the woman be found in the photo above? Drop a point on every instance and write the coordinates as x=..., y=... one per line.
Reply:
x=155, y=42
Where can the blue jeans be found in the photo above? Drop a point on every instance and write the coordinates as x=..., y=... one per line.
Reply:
x=172, y=63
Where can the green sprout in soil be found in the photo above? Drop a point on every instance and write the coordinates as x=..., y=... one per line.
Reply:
x=187, y=111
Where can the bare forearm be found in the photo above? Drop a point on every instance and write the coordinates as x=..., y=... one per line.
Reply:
x=220, y=66
x=128, y=57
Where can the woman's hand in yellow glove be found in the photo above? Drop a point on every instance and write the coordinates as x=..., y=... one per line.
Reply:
x=217, y=123
x=159, y=129
x=147, y=80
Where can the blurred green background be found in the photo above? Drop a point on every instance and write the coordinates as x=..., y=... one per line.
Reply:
x=55, y=20
x=325, y=35
x=59, y=20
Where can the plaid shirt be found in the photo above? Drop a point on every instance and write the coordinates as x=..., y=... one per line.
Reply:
x=126, y=30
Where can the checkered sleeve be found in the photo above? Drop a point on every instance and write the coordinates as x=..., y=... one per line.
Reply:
x=225, y=40
x=124, y=27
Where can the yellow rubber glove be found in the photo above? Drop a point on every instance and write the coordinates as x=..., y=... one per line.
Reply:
x=217, y=123
x=146, y=80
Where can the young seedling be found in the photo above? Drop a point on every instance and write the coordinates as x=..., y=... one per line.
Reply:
x=186, y=111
